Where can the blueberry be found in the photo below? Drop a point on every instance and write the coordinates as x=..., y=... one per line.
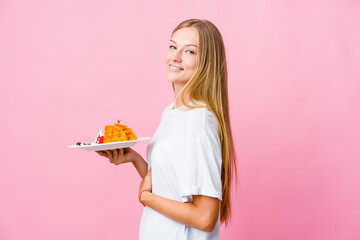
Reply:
x=78, y=143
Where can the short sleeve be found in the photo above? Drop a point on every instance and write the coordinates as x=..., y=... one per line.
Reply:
x=199, y=171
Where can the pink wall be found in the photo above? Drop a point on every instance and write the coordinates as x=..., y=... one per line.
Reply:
x=68, y=67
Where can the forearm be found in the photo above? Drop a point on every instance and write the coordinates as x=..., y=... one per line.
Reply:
x=141, y=165
x=201, y=214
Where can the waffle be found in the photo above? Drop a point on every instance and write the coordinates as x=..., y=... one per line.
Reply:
x=118, y=133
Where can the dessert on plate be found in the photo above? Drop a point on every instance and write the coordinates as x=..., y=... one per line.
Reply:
x=113, y=133
x=115, y=137
x=118, y=133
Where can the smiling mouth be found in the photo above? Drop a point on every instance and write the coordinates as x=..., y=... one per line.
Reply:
x=174, y=68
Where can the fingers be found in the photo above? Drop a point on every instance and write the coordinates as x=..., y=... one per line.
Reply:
x=115, y=156
x=121, y=153
x=121, y=156
x=109, y=155
x=101, y=153
x=106, y=154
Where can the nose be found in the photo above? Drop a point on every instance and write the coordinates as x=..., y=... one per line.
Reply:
x=176, y=56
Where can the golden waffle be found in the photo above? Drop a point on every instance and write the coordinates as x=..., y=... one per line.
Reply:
x=118, y=133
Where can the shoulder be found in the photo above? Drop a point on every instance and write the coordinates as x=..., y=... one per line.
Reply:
x=201, y=123
x=201, y=116
x=167, y=109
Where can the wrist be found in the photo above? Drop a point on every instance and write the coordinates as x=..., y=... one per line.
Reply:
x=134, y=158
x=143, y=196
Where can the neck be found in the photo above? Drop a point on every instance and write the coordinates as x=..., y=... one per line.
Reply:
x=177, y=90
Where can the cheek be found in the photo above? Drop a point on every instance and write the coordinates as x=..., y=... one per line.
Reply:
x=167, y=57
x=190, y=62
x=194, y=63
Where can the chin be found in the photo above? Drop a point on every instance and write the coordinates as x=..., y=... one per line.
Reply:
x=177, y=81
x=172, y=79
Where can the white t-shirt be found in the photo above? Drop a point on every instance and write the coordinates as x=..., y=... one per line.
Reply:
x=185, y=157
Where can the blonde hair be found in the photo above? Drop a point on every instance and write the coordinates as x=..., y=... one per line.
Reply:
x=209, y=85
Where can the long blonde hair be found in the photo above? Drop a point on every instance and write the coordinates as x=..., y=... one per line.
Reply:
x=209, y=85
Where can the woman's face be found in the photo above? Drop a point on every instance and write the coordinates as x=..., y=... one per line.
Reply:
x=181, y=57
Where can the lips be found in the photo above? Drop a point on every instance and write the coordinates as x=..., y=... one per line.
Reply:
x=175, y=68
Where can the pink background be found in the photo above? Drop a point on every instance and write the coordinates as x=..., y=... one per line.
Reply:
x=69, y=67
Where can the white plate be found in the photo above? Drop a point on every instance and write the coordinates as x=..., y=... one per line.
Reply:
x=107, y=146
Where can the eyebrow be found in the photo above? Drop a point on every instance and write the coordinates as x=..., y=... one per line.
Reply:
x=185, y=44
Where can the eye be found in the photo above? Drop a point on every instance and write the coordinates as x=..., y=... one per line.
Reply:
x=172, y=47
x=189, y=51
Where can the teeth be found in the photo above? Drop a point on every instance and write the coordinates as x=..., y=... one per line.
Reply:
x=175, y=68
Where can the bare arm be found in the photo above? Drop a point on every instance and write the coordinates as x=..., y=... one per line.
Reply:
x=125, y=155
x=202, y=213
x=141, y=166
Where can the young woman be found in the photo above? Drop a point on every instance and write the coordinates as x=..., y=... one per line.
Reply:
x=191, y=158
